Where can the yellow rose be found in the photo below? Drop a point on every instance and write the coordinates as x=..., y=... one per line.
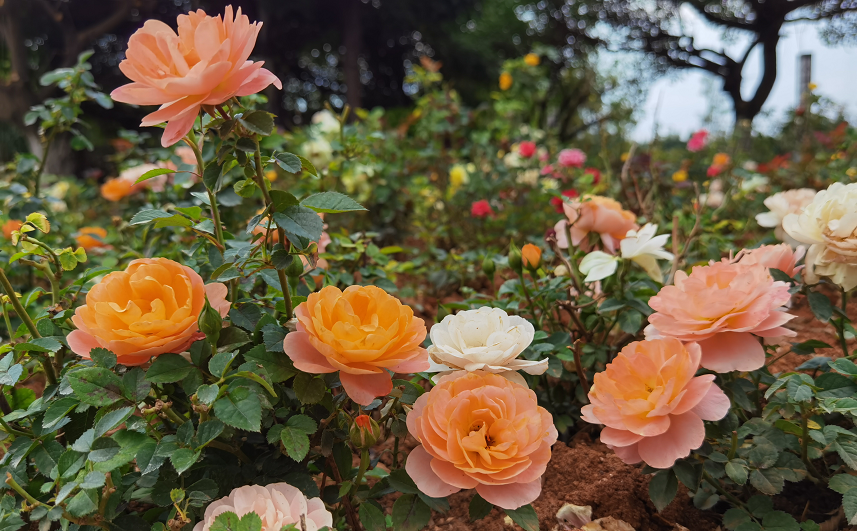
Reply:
x=505, y=81
x=532, y=59
x=680, y=176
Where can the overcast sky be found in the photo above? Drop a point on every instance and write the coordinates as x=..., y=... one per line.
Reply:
x=683, y=102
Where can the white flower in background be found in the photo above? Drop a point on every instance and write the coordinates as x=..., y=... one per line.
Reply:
x=325, y=122
x=642, y=247
x=512, y=159
x=645, y=249
x=486, y=339
x=750, y=165
x=829, y=225
x=529, y=177
x=560, y=271
x=598, y=265
x=549, y=184
x=318, y=151
x=755, y=183
x=781, y=205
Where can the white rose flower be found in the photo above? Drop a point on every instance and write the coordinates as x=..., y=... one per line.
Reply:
x=781, y=205
x=755, y=183
x=598, y=265
x=829, y=225
x=486, y=339
x=325, y=122
x=644, y=248
x=318, y=151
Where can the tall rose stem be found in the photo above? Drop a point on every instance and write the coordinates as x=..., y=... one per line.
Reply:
x=350, y=515
x=581, y=374
x=200, y=169
x=814, y=475
x=50, y=375
x=841, y=328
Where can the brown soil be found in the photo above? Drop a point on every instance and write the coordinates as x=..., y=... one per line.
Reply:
x=808, y=327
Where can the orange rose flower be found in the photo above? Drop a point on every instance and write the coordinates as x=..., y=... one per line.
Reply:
x=92, y=238
x=149, y=309
x=531, y=256
x=116, y=189
x=480, y=430
x=652, y=404
x=506, y=81
x=205, y=64
x=725, y=307
x=363, y=333
x=781, y=257
x=11, y=226
x=594, y=213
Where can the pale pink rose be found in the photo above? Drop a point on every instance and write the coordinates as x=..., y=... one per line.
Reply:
x=571, y=158
x=725, y=307
x=187, y=155
x=697, y=141
x=781, y=257
x=277, y=504
x=206, y=63
x=480, y=430
x=155, y=184
x=652, y=404
x=595, y=213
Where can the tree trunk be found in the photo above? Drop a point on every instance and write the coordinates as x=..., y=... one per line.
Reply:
x=352, y=32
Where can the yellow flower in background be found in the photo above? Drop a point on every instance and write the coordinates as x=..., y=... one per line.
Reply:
x=680, y=176
x=457, y=177
x=505, y=81
x=532, y=59
x=624, y=157
x=851, y=172
x=812, y=86
x=271, y=175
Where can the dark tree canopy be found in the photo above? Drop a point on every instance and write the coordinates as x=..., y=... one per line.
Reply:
x=654, y=28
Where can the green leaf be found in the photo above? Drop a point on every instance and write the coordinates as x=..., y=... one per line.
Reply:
x=39, y=344
x=148, y=215
x=735, y=517
x=402, y=482
x=69, y=463
x=302, y=423
x=479, y=508
x=103, y=357
x=526, y=517
x=219, y=364
x=299, y=222
x=288, y=162
x=184, y=458
x=240, y=409
x=331, y=203
x=83, y=503
x=207, y=393
x=737, y=472
x=103, y=449
x=847, y=450
x=168, y=368
x=760, y=505
x=93, y=480
x=689, y=473
x=662, y=488
x=308, y=167
x=630, y=321
x=259, y=122
x=194, y=212
x=844, y=366
x=842, y=483
x=779, y=521
x=281, y=200
x=211, y=176
x=410, y=513
x=258, y=379
x=372, y=517
x=279, y=366
x=112, y=419
x=295, y=442
x=96, y=386
x=308, y=389
x=153, y=173
x=136, y=386
x=769, y=481
x=808, y=347
x=208, y=431
x=849, y=503
x=820, y=305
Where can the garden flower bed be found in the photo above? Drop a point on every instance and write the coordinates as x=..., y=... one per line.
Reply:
x=229, y=344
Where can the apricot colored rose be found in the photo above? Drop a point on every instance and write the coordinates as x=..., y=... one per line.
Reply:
x=480, y=430
x=506, y=81
x=781, y=257
x=652, y=404
x=116, y=189
x=149, y=309
x=204, y=64
x=92, y=238
x=723, y=307
x=594, y=213
x=277, y=504
x=11, y=226
x=531, y=255
x=363, y=333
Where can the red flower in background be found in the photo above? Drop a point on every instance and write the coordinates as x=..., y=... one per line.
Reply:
x=481, y=209
x=697, y=141
x=557, y=201
x=596, y=174
x=527, y=149
x=776, y=163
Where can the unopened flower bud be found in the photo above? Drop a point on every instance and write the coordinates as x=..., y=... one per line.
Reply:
x=531, y=256
x=296, y=268
x=488, y=266
x=365, y=432
x=515, y=261
x=210, y=323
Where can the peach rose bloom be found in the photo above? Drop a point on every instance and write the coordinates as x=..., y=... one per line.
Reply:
x=149, y=309
x=205, y=64
x=723, y=307
x=116, y=189
x=92, y=238
x=594, y=213
x=11, y=226
x=156, y=184
x=781, y=257
x=480, y=430
x=363, y=333
x=277, y=504
x=651, y=403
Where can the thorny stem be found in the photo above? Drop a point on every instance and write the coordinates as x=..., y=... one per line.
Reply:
x=281, y=274
x=6, y=318
x=581, y=374
x=45, y=268
x=841, y=327
x=54, y=258
x=38, y=176
x=734, y=445
x=350, y=515
x=714, y=483
x=364, y=464
x=532, y=306
x=31, y=326
x=17, y=488
x=814, y=476
x=200, y=168
x=105, y=495
x=395, y=452
x=9, y=429
x=679, y=256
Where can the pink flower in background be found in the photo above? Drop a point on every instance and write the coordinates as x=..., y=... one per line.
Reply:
x=277, y=504
x=697, y=141
x=481, y=209
x=547, y=170
x=725, y=307
x=206, y=63
x=571, y=158
x=595, y=213
x=652, y=404
x=781, y=257
x=527, y=149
